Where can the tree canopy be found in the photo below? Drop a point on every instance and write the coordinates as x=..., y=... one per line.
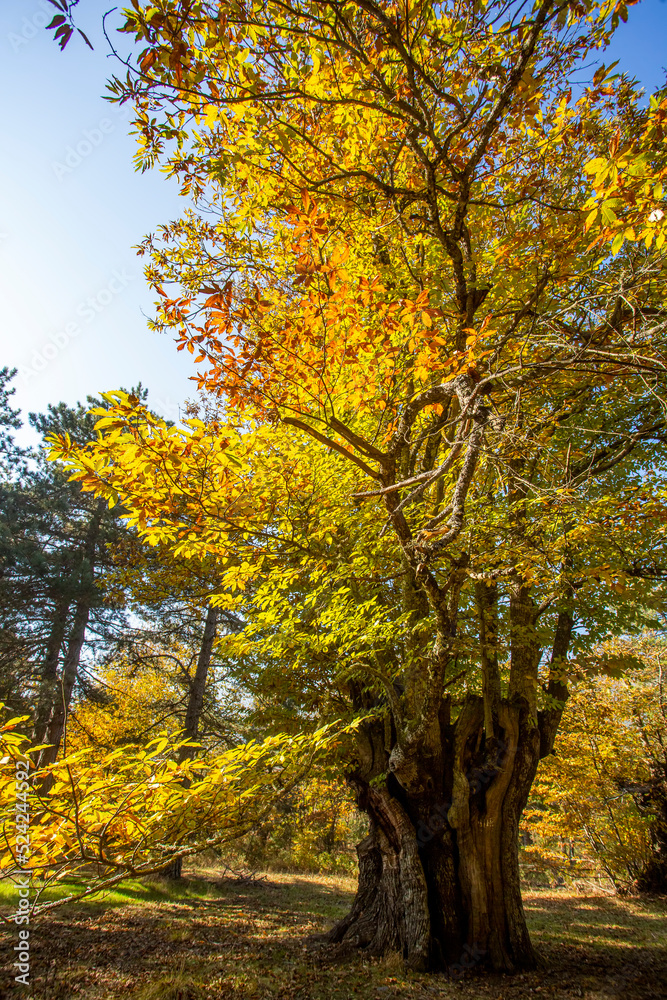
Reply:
x=429, y=460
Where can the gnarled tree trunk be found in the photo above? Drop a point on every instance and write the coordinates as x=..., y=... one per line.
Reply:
x=439, y=872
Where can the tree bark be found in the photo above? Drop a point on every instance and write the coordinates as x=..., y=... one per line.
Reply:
x=56, y=706
x=439, y=871
x=651, y=801
x=63, y=694
x=174, y=869
x=49, y=679
x=198, y=683
x=557, y=686
x=486, y=595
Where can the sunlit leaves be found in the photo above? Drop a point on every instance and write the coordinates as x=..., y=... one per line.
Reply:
x=610, y=739
x=627, y=201
x=387, y=260
x=129, y=809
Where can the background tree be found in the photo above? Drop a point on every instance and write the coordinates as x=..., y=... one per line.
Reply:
x=11, y=460
x=54, y=551
x=10, y=419
x=603, y=791
x=174, y=604
x=309, y=829
x=109, y=815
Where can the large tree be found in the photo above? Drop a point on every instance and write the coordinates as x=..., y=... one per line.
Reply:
x=391, y=265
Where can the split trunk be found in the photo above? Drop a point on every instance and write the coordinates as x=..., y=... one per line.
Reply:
x=438, y=871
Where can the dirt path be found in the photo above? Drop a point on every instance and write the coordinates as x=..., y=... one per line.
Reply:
x=219, y=940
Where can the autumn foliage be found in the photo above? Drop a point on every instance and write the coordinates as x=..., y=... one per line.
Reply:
x=421, y=283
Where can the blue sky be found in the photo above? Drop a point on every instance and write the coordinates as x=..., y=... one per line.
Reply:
x=72, y=296
x=72, y=293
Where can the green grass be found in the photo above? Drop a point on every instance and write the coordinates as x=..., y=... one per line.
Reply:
x=126, y=893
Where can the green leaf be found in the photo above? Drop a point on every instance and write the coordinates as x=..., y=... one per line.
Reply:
x=617, y=243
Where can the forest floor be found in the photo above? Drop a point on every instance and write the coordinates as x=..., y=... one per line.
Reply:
x=217, y=939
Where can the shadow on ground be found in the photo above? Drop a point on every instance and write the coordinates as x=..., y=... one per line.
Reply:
x=236, y=942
